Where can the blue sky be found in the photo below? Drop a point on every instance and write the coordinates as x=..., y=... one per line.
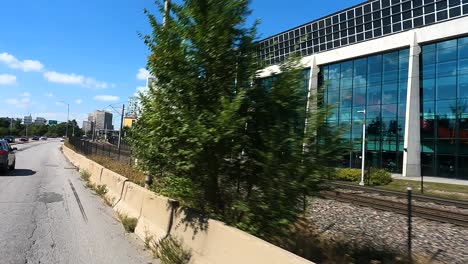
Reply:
x=87, y=52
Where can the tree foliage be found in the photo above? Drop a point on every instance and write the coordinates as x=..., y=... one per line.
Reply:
x=216, y=137
x=16, y=128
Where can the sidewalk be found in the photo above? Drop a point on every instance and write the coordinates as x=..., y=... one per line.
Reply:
x=432, y=179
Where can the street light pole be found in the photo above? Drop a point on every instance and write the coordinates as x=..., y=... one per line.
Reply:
x=363, y=155
x=68, y=119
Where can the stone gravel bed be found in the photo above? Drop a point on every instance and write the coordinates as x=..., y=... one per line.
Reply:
x=444, y=243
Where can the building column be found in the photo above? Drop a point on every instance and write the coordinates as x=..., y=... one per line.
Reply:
x=313, y=85
x=412, y=144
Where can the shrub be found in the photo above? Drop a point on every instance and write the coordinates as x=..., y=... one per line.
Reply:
x=373, y=176
x=100, y=190
x=171, y=251
x=350, y=175
x=377, y=177
x=85, y=175
x=129, y=223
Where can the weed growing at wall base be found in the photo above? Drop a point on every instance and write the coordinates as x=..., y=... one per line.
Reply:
x=129, y=223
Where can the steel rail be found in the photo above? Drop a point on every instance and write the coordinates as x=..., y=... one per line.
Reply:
x=417, y=197
x=445, y=216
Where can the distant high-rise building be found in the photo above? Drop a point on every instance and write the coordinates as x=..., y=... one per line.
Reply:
x=101, y=120
x=132, y=108
x=40, y=121
x=27, y=120
x=87, y=126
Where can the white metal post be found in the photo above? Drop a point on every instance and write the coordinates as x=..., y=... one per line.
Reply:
x=363, y=155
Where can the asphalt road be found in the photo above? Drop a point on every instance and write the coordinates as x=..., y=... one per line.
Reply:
x=48, y=216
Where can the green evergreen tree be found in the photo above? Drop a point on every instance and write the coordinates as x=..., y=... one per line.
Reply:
x=218, y=139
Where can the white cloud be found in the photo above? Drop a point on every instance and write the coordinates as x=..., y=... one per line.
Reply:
x=7, y=79
x=49, y=94
x=143, y=74
x=78, y=101
x=19, y=103
x=106, y=98
x=12, y=101
x=25, y=94
x=25, y=65
x=74, y=79
x=140, y=89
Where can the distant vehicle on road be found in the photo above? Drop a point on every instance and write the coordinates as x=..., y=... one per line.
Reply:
x=9, y=139
x=7, y=156
x=43, y=138
x=24, y=139
x=62, y=140
x=35, y=138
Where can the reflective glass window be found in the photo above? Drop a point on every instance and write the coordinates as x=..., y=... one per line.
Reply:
x=446, y=109
x=446, y=88
x=402, y=89
x=428, y=89
x=463, y=86
x=390, y=93
x=390, y=61
x=446, y=69
x=374, y=95
x=447, y=51
x=359, y=96
x=463, y=51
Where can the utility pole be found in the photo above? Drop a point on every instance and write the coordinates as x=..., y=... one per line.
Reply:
x=121, y=127
x=167, y=6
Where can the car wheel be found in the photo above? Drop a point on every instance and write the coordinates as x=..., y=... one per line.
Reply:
x=12, y=167
x=4, y=167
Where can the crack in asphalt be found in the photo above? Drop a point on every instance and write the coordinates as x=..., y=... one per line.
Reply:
x=30, y=238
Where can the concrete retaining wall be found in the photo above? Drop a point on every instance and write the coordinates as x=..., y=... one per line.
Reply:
x=115, y=185
x=210, y=241
x=132, y=200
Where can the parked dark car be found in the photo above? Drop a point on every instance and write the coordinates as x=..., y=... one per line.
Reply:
x=7, y=156
x=35, y=138
x=24, y=139
x=9, y=139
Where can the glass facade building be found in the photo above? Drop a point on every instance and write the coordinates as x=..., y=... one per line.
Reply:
x=405, y=62
x=444, y=108
x=369, y=20
x=378, y=85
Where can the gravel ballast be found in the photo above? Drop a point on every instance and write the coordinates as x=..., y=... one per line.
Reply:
x=444, y=243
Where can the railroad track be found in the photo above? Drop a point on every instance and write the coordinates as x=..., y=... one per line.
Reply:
x=445, y=216
x=417, y=197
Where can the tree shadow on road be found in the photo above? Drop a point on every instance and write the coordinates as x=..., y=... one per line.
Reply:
x=19, y=173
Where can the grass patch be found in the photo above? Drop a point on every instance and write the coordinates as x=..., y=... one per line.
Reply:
x=85, y=175
x=100, y=190
x=131, y=173
x=129, y=223
x=171, y=251
x=148, y=239
x=443, y=190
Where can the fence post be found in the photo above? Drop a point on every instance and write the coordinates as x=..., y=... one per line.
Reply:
x=410, y=258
